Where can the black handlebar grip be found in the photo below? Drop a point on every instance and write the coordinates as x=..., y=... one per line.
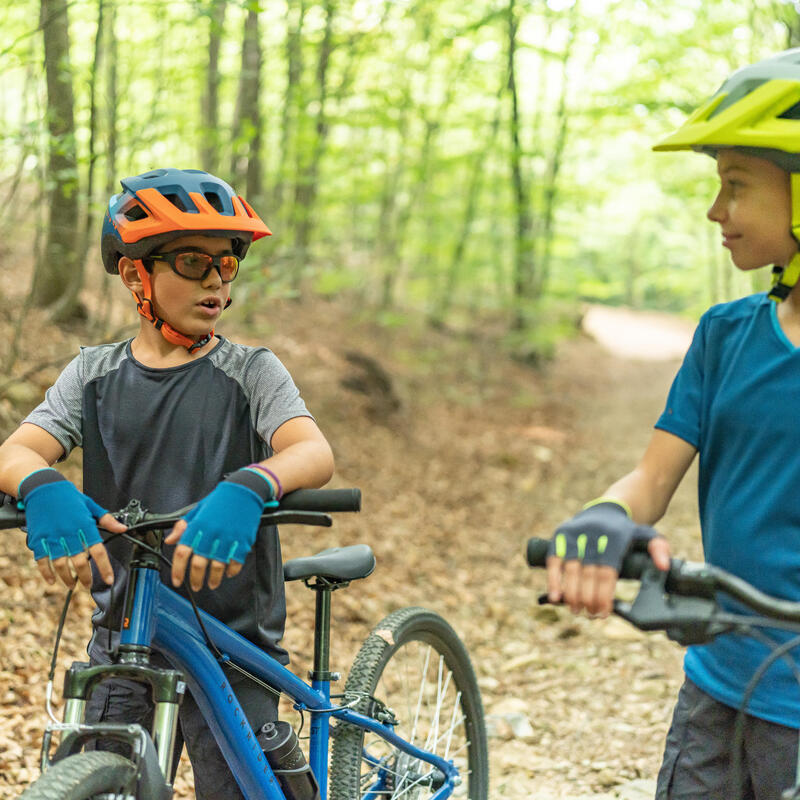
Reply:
x=322, y=500
x=10, y=515
x=537, y=552
x=632, y=567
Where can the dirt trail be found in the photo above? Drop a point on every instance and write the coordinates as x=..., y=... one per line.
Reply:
x=461, y=455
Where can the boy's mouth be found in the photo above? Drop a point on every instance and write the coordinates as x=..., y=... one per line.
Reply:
x=210, y=302
x=727, y=238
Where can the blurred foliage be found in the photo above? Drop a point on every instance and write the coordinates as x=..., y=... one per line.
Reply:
x=402, y=127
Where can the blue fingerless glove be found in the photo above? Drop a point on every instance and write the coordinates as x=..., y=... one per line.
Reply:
x=224, y=524
x=602, y=534
x=61, y=521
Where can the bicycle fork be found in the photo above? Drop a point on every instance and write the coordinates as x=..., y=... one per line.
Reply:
x=167, y=688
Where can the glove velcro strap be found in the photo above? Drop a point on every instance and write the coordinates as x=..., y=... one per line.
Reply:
x=254, y=481
x=623, y=506
x=38, y=478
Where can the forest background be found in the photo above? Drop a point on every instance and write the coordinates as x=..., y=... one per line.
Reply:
x=482, y=162
x=449, y=184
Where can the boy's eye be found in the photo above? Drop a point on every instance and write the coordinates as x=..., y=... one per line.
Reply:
x=194, y=260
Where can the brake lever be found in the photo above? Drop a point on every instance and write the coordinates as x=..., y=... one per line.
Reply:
x=686, y=620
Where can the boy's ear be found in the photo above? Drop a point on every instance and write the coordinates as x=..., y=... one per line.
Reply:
x=129, y=275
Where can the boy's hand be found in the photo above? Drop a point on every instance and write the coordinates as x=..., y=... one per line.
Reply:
x=220, y=529
x=62, y=529
x=586, y=554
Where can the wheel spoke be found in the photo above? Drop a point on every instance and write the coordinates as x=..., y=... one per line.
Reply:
x=428, y=682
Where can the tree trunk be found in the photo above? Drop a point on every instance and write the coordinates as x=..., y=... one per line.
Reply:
x=445, y=298
x=524, y=263
x=112, y=177
x=209, y=104
x=295, y=16
x=386, y=242
x=58, y=272
x=550, y=183
x=307, y=186
x=247, y=131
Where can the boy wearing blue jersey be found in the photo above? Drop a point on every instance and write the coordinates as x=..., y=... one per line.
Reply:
x=733, y=402
x=177, y=415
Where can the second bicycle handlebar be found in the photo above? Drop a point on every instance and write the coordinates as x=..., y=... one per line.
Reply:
x=688, y=579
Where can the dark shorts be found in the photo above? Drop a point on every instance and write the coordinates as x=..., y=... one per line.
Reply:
x=128, y=701
x=698, y=759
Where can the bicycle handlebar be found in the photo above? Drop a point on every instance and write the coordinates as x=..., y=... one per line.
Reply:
x=303, y=507
x=686, y=579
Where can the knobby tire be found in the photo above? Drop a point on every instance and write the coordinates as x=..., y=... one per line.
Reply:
x=439, y=713
x=82, y=776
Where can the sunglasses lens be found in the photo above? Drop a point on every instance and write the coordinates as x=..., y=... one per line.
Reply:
x=228, y=267
x=192, y=265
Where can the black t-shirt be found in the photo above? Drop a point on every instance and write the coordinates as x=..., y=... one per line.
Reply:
x=167, y=437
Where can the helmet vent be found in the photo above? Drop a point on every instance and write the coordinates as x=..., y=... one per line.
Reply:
x=176, y=201
x=215, y=201
x=791, y=113
x=135, y=213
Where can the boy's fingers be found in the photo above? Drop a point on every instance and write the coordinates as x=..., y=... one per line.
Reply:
x=110, y=523
x=587, y=588
x=659, y=552
x=197, y=572
x=179, y=561
x=80, y=561
x=572, y=579
x=215, y=573
x=234, y=568
x=63, y=570
x=100, y=557
x=177, y=531
x=46, y=570
x=605, y=583
x=554, y=564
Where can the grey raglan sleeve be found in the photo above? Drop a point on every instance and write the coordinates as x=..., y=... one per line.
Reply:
x=274, y=398
x=60, y=411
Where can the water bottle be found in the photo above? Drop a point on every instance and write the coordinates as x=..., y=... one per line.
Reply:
x=282, y=749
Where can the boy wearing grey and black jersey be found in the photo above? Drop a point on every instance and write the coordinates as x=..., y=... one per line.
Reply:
x=175, y=416
x=139, y=431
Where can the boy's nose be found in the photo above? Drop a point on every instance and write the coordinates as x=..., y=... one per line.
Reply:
x=716, y=213
x=214, y=277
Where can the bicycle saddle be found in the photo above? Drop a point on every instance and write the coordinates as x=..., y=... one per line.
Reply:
x=334, y=564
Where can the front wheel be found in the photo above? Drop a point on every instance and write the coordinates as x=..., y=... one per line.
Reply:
x=414, y=673
x=85, y=776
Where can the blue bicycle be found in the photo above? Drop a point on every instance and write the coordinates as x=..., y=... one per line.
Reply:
x=409, y=723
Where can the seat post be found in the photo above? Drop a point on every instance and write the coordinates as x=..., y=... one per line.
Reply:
x=322, y=630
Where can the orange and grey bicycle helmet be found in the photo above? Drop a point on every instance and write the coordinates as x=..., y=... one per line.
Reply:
x=165, y=204
x=757, y=111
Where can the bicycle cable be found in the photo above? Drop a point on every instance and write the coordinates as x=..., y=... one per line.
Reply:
x=222, y=658
x=779, y=651
x=48, y=692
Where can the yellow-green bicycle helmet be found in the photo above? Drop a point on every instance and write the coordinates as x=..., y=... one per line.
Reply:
x=757, y=111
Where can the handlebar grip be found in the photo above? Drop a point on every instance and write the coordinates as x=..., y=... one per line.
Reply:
x=322, y=500
x=10, y=515
x=537, y=552
x=633, y=565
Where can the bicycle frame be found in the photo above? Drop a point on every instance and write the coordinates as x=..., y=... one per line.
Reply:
x=162, y=619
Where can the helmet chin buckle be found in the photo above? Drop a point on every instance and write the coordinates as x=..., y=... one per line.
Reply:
x=144, y=305
x=784, y=279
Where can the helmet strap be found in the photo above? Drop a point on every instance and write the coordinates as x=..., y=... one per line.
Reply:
x=144, y=305
x=785, y=278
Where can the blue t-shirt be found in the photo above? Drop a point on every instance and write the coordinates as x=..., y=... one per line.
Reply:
x=736, y=399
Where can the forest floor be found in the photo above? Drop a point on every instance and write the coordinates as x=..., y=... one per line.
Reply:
x=462, y=454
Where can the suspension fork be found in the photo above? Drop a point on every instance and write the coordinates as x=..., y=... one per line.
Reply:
x=167, y=685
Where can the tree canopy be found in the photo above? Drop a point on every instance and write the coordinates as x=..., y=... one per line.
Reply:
x=462, y=159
